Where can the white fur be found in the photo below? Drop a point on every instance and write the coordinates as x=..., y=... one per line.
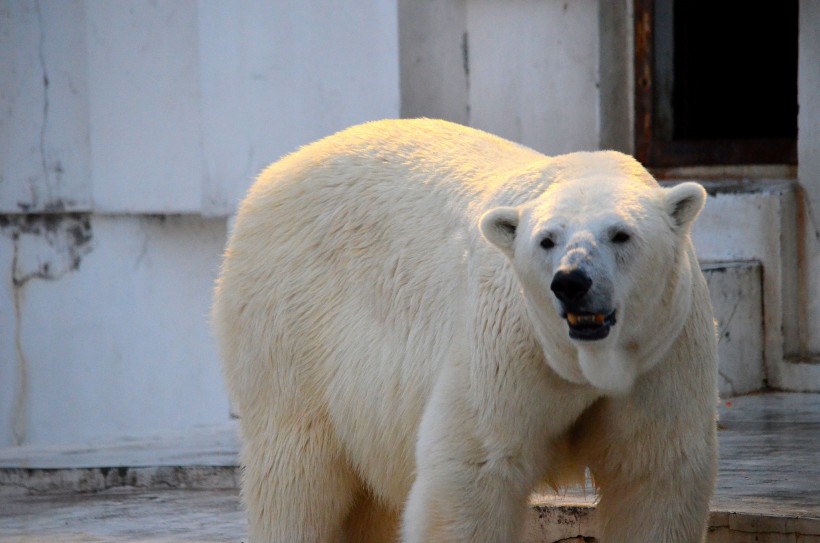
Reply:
x=388, y=362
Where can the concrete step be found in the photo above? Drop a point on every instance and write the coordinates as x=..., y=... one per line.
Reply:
x=736, y=289
x=184, y=487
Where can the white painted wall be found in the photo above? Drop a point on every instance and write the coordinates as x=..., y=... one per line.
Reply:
x=144, y=106
x=152, y=119
x=523, y=69
x=109, y=334
x=171, y=108
x=174, y=106
x=533, y=72
x=434, y=55
x=45, y=160
x=277, y=75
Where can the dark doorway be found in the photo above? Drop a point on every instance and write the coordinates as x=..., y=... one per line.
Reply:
x=716, y=82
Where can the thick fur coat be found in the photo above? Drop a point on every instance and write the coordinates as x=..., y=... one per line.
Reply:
x=421, y=322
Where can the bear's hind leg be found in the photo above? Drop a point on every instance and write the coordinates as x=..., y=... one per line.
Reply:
x=297, y=485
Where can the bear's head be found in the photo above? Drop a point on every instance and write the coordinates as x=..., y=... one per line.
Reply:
x=605, y=264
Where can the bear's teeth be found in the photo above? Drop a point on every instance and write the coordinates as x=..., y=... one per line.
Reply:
x=575, y=319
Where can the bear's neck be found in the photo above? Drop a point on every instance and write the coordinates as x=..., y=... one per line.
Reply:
x=678, y=298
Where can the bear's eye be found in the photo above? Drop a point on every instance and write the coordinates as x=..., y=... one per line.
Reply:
x=620, y=237
x=547, y=243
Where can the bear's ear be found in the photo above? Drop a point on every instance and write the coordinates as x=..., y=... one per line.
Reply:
x=498, y=227
x=684, y=203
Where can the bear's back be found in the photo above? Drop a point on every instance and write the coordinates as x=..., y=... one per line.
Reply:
x=393, y=158
x=382, y=214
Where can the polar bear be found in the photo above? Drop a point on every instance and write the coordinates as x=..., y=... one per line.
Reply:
x=421, y=322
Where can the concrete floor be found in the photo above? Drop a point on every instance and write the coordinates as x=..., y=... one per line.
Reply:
x=179, y=488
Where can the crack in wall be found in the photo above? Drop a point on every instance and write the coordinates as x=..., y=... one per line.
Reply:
x=43, y=128
x=728, y=381
x=728, y=321
x=143, y=248
x=18, y=413
x=58, y=243
x=465, y=60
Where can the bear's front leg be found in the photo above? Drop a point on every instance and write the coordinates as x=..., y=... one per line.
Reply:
x=470, y=486
x=457, y=502
x=655, y=469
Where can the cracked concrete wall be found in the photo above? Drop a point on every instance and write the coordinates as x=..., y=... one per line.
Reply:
x=44, y=133
x=129, y=130
x=736, y=290
x=44, y=247
x=175, y=106
x=108, y=327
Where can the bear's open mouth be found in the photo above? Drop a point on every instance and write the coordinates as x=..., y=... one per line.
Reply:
x=589, y=326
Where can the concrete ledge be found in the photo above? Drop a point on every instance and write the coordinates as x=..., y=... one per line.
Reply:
x=88, y=480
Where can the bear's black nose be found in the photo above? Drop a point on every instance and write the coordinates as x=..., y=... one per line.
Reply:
x=570, y=286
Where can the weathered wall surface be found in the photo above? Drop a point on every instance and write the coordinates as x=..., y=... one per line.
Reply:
x=754, y=225
x=129, y=131
x=525, y=70
x=105, y=326
x=173, y=107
